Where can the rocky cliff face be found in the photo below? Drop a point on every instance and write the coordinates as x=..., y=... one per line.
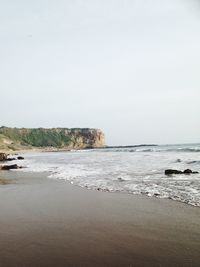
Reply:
x=86, y=138
x=62, y=138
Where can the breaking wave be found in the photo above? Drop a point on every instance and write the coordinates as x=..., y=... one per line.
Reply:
x=137, y=173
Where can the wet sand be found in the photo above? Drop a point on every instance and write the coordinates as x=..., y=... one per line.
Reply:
x=46, y=222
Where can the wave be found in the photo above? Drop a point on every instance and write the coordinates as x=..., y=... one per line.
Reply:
x=138, y=173
x=193, y=150
x=194, y=162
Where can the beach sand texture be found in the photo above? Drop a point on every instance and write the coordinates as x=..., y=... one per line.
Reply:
x=46, y=223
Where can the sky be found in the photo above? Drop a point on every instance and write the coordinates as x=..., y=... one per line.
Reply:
x=128, y=67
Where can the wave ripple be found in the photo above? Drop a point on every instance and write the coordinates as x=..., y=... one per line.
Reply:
x=141, y=172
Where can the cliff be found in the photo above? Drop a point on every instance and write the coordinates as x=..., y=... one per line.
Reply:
x=60, y=138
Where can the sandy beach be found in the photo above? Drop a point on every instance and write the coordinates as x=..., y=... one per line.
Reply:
x=46, y=222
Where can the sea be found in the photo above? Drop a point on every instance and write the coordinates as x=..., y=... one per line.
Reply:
x=132, y=169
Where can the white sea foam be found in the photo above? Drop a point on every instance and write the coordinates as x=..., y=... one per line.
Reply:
x=141, y=172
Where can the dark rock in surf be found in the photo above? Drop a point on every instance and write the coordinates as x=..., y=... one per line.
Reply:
x=10, y=167
x=4, y=157
x=10, y=159
x=20, y=158
x=170, y=172
x=187, y=171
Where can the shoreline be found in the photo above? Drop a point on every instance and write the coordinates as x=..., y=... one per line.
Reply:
x=48, y=222
x=46, y=149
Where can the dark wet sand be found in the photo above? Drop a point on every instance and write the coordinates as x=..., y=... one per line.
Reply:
x=45, y=222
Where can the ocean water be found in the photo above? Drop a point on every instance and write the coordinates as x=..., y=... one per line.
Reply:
x=136, y=170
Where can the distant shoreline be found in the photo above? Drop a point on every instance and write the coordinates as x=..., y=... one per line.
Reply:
x=128, y=146
x=56, y=149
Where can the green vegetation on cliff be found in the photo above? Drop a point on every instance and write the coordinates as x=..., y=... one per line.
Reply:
x=37, y=137
x=20, y=138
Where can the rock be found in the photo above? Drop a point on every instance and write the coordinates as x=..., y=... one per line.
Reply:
x=3, y=156
x=170, y=172
x=10, y=167
x=10, y=159
x=187, y=171
x=20, y=158
x=178, y=160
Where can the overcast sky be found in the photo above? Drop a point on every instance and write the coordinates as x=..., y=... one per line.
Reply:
x=129, y=67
